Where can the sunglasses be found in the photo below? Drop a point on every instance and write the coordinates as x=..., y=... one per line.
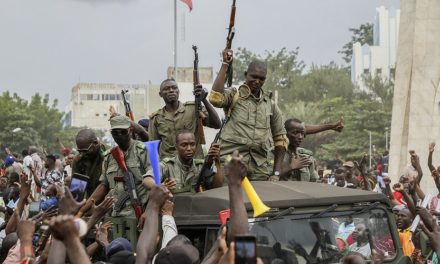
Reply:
x=120, y=132
x=86, y=149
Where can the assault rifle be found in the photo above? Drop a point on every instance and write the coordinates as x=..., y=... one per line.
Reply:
x=206, y=171
x=199, y=133
x=127, y=106
x=229, y=38
x=129, y=185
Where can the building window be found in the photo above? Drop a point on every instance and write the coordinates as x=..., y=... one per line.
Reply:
x=105, y=114
x=392, y=73
x=378, y=71
x=96, y=97
x=366, y=71
x=111, y=97
x=97, y=114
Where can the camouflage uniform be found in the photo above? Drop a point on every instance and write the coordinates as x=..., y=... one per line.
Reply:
x=305, y=174
x=165, y=126
x=252, y=125
x=137, y=162
x=185, y=177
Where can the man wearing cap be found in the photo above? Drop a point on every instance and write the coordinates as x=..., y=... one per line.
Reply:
x=176, y=116
x=350, y=178
x=90, y=159
x=112, y=177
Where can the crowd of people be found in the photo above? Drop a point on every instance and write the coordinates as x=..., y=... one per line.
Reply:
x=44, y=221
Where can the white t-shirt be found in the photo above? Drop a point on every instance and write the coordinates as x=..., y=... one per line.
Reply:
x=363, y=250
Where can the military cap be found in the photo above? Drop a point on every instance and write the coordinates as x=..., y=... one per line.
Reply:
x=120, y=121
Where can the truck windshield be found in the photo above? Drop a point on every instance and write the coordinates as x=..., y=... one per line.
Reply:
x=323, y=239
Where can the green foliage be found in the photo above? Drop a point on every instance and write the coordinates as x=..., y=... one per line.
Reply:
x=39, y=122
x=360, y=118
x=363, y=35
x=380, y=89
x=326, y=81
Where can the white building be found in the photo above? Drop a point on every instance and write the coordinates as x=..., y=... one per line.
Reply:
x=380, y=58
x=90, y=102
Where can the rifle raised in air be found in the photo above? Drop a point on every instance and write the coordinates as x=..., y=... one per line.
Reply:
x=199, y=133
x=229, y=38
x=127, y=106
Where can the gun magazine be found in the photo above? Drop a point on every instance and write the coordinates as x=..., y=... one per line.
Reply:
x=120, y=203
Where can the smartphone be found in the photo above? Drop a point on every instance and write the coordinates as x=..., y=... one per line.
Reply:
x=78, y=186
x=245, y=250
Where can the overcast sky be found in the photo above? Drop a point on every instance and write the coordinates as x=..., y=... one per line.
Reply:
x=50, y=45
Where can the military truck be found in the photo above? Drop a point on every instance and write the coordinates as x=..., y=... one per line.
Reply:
x=308, y=222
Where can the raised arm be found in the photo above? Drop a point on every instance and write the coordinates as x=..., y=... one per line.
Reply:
x=213, y=118
x=64, y=229
x=219, y=83
x=388, y=191
x=415, y=162
x=140, y=131
x=431, y=151
x=147, y=240
x=214, y=157
x=236, y=172
x=336, y=126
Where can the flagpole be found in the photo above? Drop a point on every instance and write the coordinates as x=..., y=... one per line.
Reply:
x=175, y=40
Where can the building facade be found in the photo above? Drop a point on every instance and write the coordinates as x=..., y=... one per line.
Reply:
x=416, y=103
x=379, y=58
x=90, y=102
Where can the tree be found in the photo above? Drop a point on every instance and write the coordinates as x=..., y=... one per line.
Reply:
x=326, y=81
x=363, y=35
x=380, y=88
x=360, y=118
x=46, y=120
x=38, y=122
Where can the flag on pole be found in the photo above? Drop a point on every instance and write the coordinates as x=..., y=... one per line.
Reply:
x=189, y=3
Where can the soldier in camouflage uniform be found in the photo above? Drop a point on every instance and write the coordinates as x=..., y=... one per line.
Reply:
x=180, y=173
x=176, y=116
x=298, y=163
x=112, y=177
x=255, y=121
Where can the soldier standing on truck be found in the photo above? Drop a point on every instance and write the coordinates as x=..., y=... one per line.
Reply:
x=254, y=119
x=176, y=116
